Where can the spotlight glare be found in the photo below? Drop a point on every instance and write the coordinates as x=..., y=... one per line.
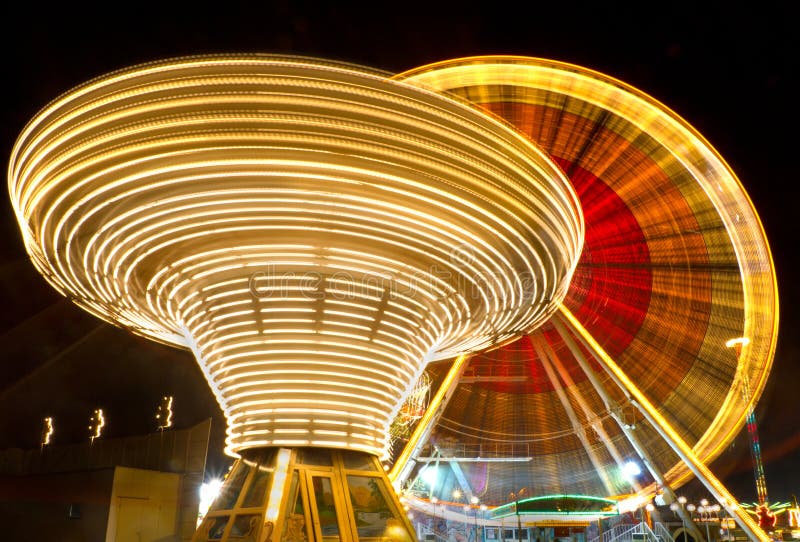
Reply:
x=208, y=492
x=429, y=475
x=631, y=470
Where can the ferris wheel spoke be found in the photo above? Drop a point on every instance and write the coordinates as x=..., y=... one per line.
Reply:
x=546, y=359
x=589, y=413
x=561, y=326
x=665, y=429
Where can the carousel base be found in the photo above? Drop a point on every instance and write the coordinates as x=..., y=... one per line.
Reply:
x=303, y=495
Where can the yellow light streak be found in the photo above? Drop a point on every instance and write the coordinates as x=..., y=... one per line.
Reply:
x=738, y=342
x=278, y=484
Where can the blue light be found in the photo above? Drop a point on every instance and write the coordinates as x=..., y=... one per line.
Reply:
x=429, y=475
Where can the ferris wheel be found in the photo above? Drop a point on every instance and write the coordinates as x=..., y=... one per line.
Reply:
x=635, y=364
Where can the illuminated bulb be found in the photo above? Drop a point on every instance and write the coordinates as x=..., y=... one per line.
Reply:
x=740, y=342
x=164, y=414
x=429, y=475
x=208, y=492
x=47, y=431
x=631, y=470
x=96, y=423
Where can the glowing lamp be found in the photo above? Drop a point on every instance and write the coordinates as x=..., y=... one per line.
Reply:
x=429, y=475
x=208, y=492
x=47, y=431
x=631, y=470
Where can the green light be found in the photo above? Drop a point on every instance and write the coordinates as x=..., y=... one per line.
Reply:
x=511, y=508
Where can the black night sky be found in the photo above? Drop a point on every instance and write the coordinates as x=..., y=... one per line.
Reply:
x=731, y=71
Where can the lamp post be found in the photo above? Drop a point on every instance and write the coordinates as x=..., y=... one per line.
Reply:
x=705, y=515
x=717, y=518
x=434, y=500
x=516, y=497
x=682, y=502
x=456, y=496
x=704, y=518
x=680, y=505
x=723, y=520
x=474, y=501
x=691, y=508
x=649, y=507
x=630, y=470
x=674, y=507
